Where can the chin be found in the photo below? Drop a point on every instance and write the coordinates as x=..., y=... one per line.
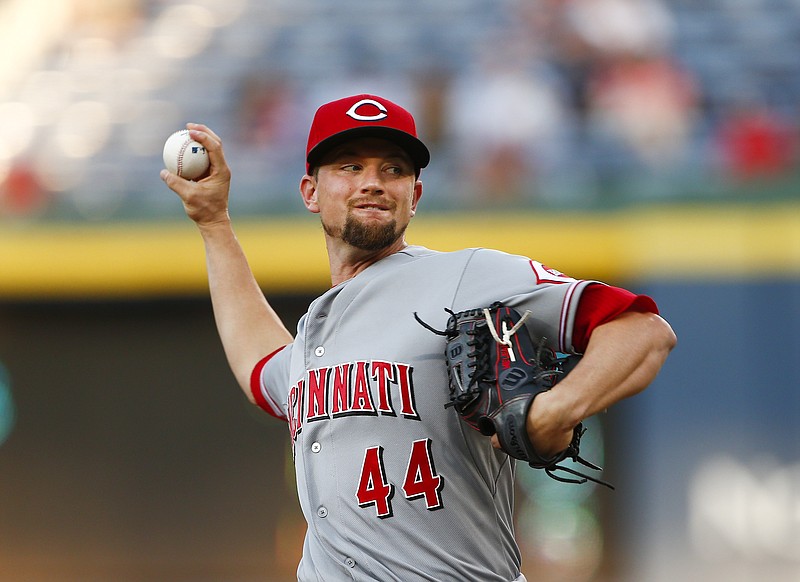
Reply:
x=371, y=235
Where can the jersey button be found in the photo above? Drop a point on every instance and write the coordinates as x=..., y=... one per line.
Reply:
x=316, y=447
x=319, y=351
x=322, y=512
x=350, y=563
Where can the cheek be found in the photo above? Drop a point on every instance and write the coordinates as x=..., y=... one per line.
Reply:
x=331, y=211
x=326, y=199
x=410, y=204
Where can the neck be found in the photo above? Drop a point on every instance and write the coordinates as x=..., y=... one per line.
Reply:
x=347, y=261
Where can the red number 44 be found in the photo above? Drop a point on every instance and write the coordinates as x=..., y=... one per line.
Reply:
x=421, y=480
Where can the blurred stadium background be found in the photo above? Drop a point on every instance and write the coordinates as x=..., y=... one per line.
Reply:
x=648, y=143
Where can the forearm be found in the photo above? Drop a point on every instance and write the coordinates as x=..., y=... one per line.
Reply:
x=622, y=358
x=248, y=326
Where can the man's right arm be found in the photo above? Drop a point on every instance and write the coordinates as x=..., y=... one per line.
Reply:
x=248, y=326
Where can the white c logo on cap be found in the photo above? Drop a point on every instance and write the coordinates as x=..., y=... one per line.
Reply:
x=352, y=111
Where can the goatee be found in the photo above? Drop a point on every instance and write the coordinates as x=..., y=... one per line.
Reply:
x=367, y=237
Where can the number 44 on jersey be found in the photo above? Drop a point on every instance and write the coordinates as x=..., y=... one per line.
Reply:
x=421, y=482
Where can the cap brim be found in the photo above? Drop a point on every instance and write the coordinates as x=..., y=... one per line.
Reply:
x=413, y=147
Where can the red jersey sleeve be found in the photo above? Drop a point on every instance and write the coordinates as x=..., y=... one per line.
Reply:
x=260, y=395
x=600, y=304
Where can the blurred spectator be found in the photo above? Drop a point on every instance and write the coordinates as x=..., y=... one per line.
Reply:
x=754, y=142
x=563, y=45
x=646, y=105
x=614, y=27
x=265, y=113
x=509, y=122
x=265, y=107
x=640, y=105
x=432, y=87
x=21, y=193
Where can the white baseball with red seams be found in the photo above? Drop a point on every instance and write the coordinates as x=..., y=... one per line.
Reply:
x=184, y=156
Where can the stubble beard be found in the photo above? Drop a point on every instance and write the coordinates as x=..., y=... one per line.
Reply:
x=367, y=237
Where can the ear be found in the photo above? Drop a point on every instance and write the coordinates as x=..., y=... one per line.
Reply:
x=308, y=191
x=416, y=196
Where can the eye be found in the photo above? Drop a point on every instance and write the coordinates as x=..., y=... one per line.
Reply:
x=398, y=170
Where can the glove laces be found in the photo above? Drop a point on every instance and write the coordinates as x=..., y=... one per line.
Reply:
x=507, y=333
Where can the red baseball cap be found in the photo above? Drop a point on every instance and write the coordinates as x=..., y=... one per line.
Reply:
x=363, y=116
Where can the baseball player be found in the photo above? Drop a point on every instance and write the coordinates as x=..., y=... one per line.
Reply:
x=393, y=485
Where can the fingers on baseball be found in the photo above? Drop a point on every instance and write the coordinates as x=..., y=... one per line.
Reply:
x=213, y=144
x=204, y=135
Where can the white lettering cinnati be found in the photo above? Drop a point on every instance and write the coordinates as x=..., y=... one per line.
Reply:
x=353, y=111
x=362, y=388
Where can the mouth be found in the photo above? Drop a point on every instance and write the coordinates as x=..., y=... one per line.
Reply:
x=371, y=206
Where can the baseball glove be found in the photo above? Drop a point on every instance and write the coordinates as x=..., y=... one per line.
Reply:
x=495, y=371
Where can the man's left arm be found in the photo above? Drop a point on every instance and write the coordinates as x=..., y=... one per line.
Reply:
x=622, y=357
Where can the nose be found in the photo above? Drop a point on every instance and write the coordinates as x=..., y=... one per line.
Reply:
x=372, y=180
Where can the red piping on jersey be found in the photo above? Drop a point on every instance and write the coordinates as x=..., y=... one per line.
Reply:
x=262, y=398
x=565, y=308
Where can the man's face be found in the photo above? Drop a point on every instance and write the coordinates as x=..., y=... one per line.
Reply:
x=366, y=192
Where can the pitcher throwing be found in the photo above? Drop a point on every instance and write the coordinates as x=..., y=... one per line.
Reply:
x=394, y=485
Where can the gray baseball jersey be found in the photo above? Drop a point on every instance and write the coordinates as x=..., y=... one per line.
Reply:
x=393, y=485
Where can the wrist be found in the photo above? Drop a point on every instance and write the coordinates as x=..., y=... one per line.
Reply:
x=210, y=225
x=564, y=406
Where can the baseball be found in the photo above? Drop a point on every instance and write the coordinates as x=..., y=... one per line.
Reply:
x=184, y=156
